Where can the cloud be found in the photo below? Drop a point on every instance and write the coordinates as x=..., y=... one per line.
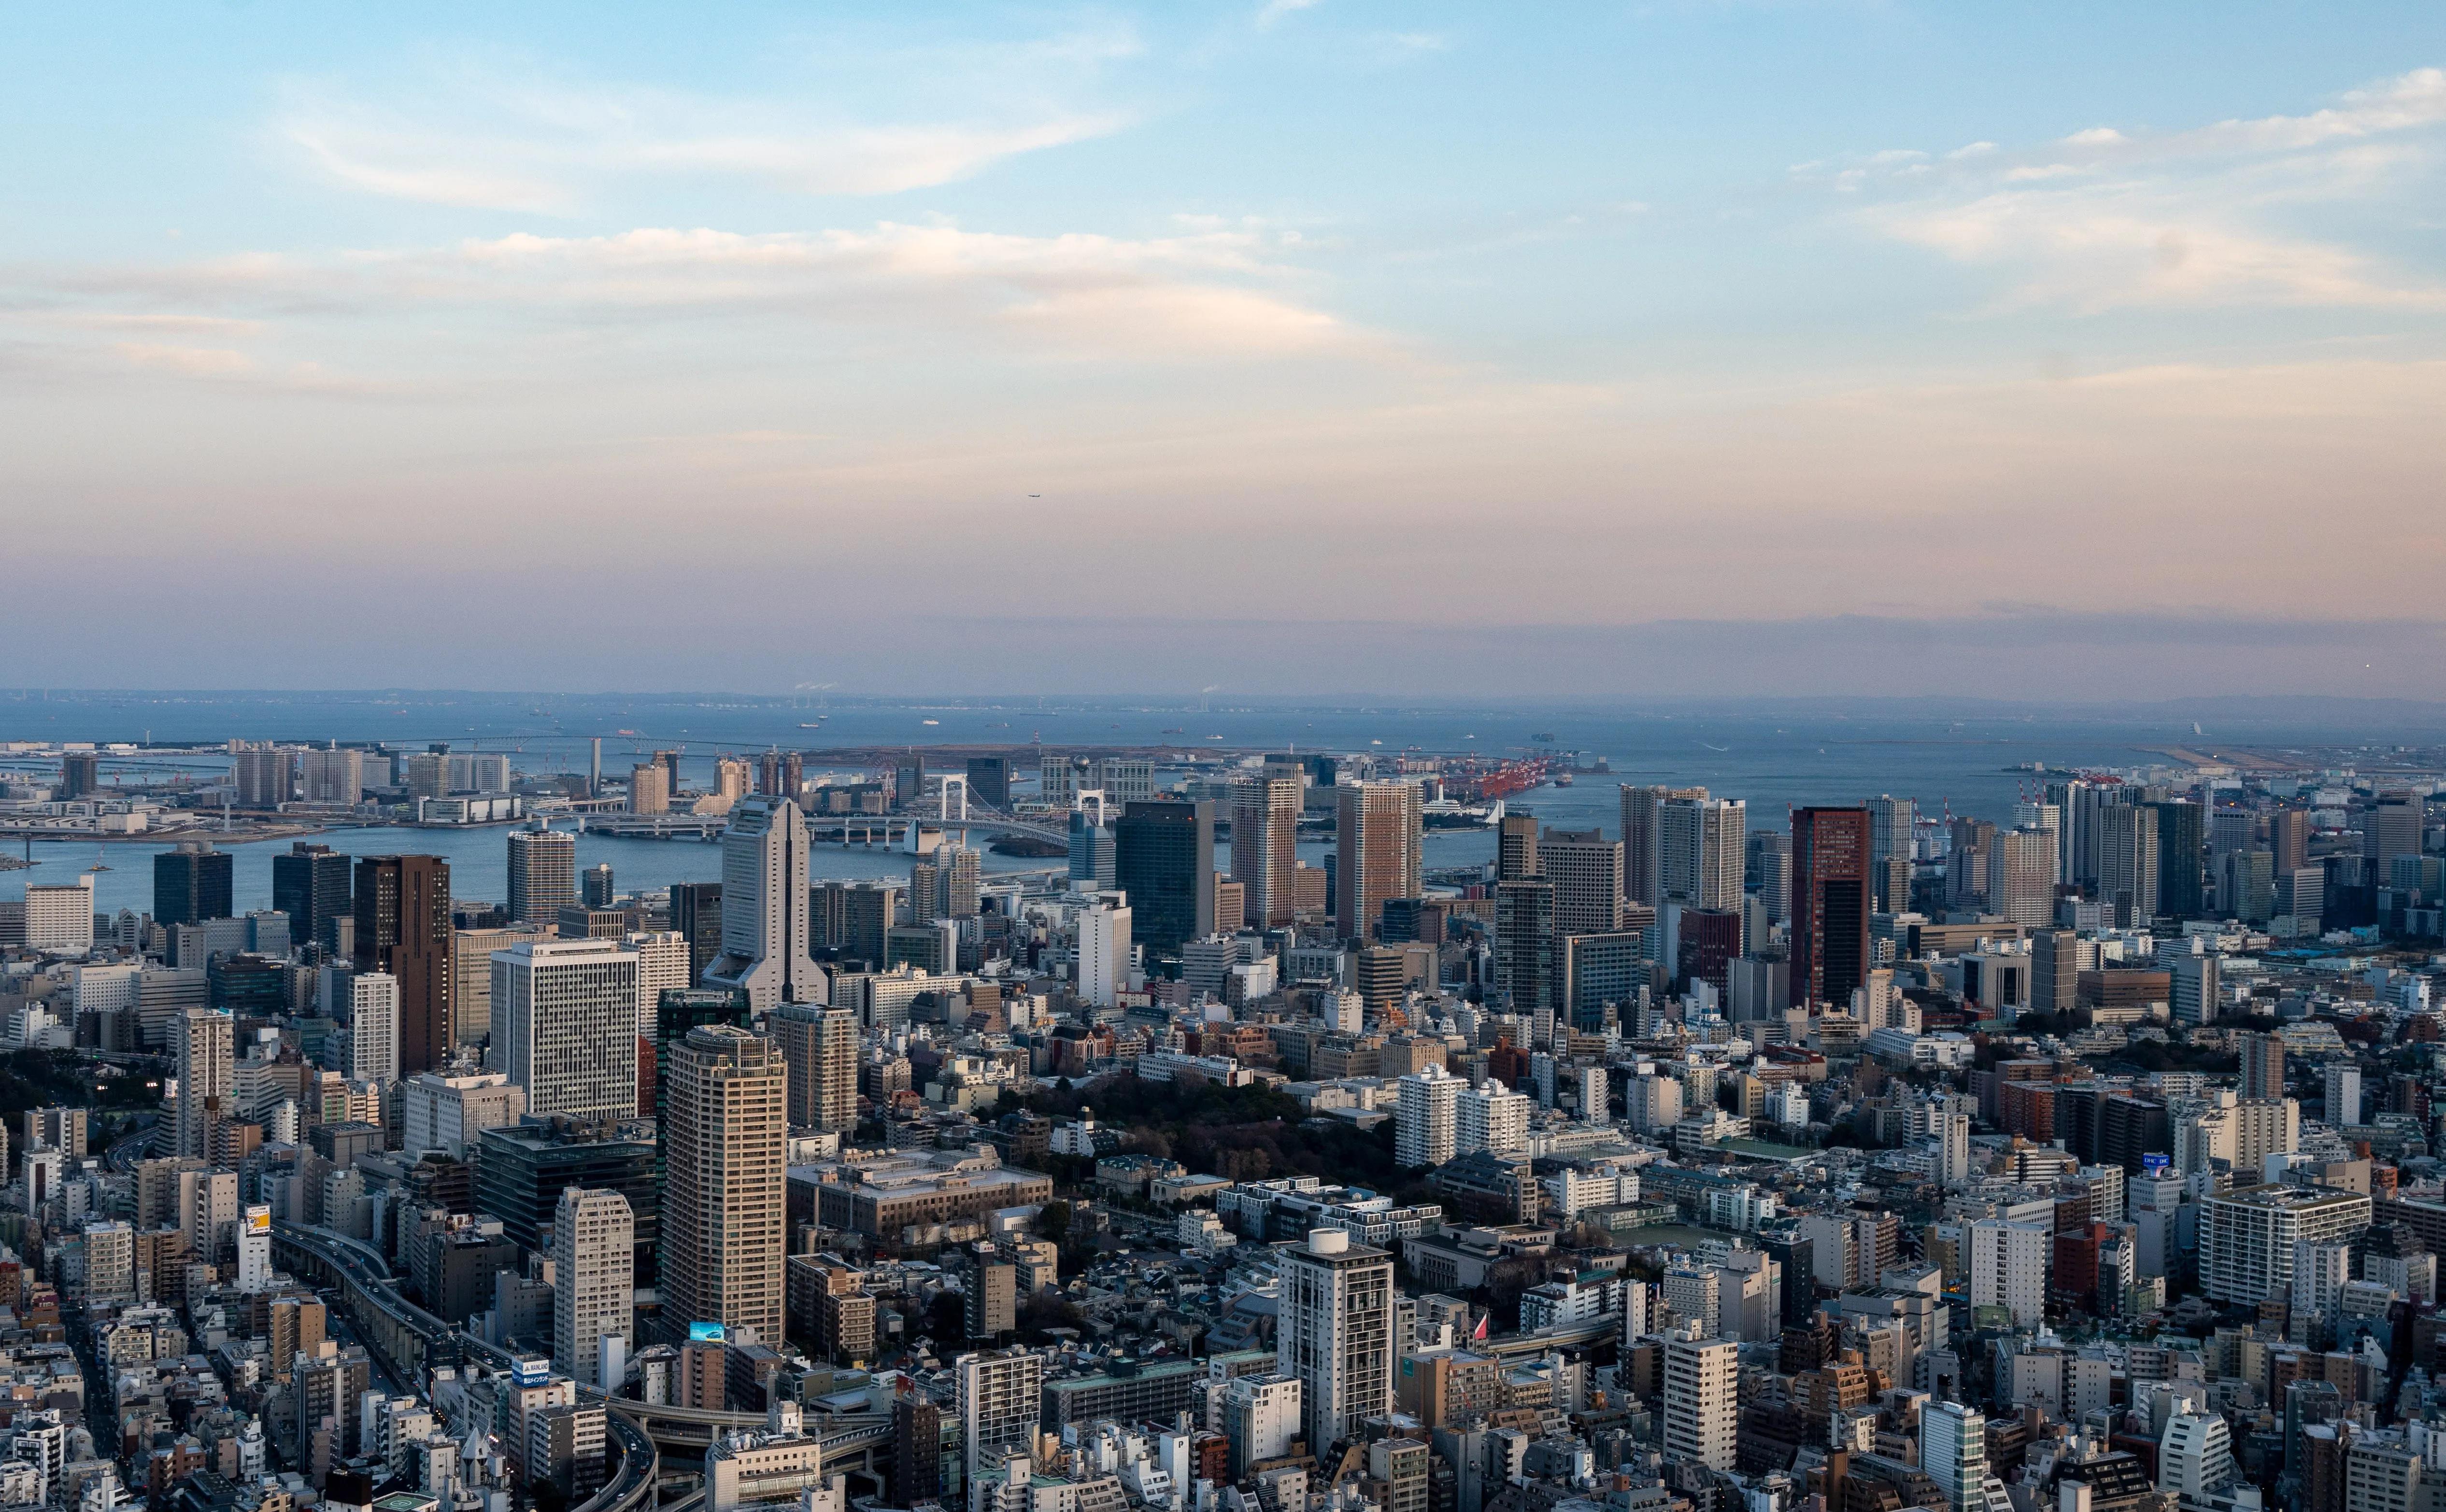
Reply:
x=1275, y=10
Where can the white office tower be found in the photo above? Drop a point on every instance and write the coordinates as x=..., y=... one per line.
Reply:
x=662, y=966
x=1954, y=1454
x=2344, y=1095
x=373, y=1027
x=998, y=1403
x=1952, y=1147
x=565, y=1024
x=2195, y=1460
x=820, y=1046
x=1425, y=1117
x=594, y=1255
x=1335, y=1334
x=207, y=1070
x=764, y=908
x=255, y=1250
x=1104, y=951
x=1491, y=1117
x=1701, y=1397
x=2009, y=1268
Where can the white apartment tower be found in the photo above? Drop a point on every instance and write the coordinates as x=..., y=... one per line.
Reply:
x=207, y=1070
x=724, y=1145
x=1265, y=841
x=1701, y=1397
x=2009, y=1268
x=373, y=1026
x=593, y=1253
x=1000, y=1405
x=764, y=908
x=1335, y=1334
x=1425, y=1117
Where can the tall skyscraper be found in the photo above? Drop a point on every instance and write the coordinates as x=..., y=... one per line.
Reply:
x=649, y=788
x=192, y=884
x=2128, y=868
x=594, y=1284
x=2288, y=839
x=723, y=1149
x=1699, y=851
x=819, y=1048
x=1103, y=951
x=2022, y=877
x=696, y=912
x=310, y=883
x=1335, y=1334
x=2262, y=1068
x=2181, y=845
x=1265, y=845
x=331, y=776
x=1830, y=904
x=1164, y=859
x=1524, y=943
x=1954, y=1454
x=1891, y=826
x=1516, y=848
x=764, y=908
x=1377, y=852
x=565, y=1024
x=2393, y=829
x=402, y=927
x=206, y=1048
x=1586, y=870
x=543, y=873
x=1701, y=1398
x=1001, y=1402
x=372, y=1010
x=1643, y=840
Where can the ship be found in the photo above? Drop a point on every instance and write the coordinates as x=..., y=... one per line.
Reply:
x=1563, y=778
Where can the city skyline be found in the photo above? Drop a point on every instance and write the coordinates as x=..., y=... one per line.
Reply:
x=1712, y=322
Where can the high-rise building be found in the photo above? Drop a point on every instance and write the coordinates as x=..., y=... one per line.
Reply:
x=1701, y=1398
x=1891, y=828
x=310, y=883
x=1699, y=849
x=1524, y=943
x=263, y=776
x=662, y=966
x=1425, y=1117
x=2022, y=879
x=1265, y=846
x=373, y=1026
x=696, y=912
x=1104, y=951
x=1643, y=839
x=781, y=774
x=1001, y=1403
x=402, y=927
x=207, y=1075
x=2181, y=845
x=192, y=884
x=989, y=780
x=79, y=775
x=1378, y=852
x=2009, y=1268
x=1830, y=904
x=2055, y=970
x=543, y=873
x=2393, y=829
x=649, y=788
x=819, y=1048
x=1516, y=848
x=1769, y=872
x=723, y=1145
x=2288, y=839
x=2247, y=888
x=764, y=908
x=1335, y=1334
x=594, y=1282
x=2195, y=1462
x=565, y=1024
x=2262, y=1068
x=2128, y=871
x=1954, y=1454
x=2344, y=1095
x=1163, y=858
x=1586, y=870
x=331, y=776
x=1261, y=1419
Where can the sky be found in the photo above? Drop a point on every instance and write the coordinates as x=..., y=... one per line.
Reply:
x=2040, y=350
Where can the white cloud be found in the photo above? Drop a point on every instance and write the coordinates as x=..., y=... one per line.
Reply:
x=1275, y=10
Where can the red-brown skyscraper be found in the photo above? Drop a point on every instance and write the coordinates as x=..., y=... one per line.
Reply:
x=402, y=908
x=1830, y=904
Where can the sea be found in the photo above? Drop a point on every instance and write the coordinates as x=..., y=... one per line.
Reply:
x=1972, y=760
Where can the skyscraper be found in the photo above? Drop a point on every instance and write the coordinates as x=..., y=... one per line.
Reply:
x=2262, y=1068
x=2393, y=829
x=1378, y=852
x=722, y=1220
x=543, y=873
x=192, y=884
x=207, y=1073
x=819, y=1048
x=1103, y=951
x=1516, y=848
x=649, y=788
x=402, y=927
x=2128, y=872
x=1164, y=859
x=764, y=908
x=2289, y=840
x=565, y=1024
x=79, y=775
x=1425, y=1118
x=1701, y=1397
x=311, y=885
x=331, y=776
x=2022, y=877
x=1001, y=1402
x=696, y=912
x=1891, y=826
x=594, y=1284
x=373, y=1026
x=1642, y=840
x=1265, y=844
x=1699, y=846
x=1830, y=904
x=1335, y=1334
x=1524, y=943
x=1586, y=870
x=2181, y=842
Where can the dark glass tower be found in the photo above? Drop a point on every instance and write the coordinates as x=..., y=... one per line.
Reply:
x=1830, y=904
x=1164, y=859
x=193, y=884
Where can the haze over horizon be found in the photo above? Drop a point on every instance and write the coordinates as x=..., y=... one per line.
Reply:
x=2057, y=353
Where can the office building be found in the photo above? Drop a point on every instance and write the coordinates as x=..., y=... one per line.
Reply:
x=2181, y=845
x=765, y=906
x=207, y=1075
x=819, y=1048
x=1701, y=1398
x=402, y=927
x=1104, y=953
x=1261, y=1419
x=696, y=915
x=448, y=1114
x=662, y=966
x=1163, y=859
x=2022, y=879
x=1954, y=1454
x=522, y=1168
x=1265, y=842
x=2054, y=971
x=565, y=1025
x=1001, y=1402
x=543, y=874
x=1584, y=870
x=1378, y=853
x=59, y=917
x=1830, y=904
x=192, y=884
x=2128, y=868
x=79, y=775
x=1700, y=846
x=310, y=883
x=593, y=1253
x=1095, y=853
x=1524, y=944
x=1594, y=971
x=1891, y=828
x=1335, y=1334
x=723, y=1223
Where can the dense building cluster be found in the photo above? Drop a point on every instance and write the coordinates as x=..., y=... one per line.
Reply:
x=1861, y=1162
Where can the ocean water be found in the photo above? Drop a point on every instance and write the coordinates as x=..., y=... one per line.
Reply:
x=1976, y=761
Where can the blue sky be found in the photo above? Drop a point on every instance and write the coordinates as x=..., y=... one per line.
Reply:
x=499, y=347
